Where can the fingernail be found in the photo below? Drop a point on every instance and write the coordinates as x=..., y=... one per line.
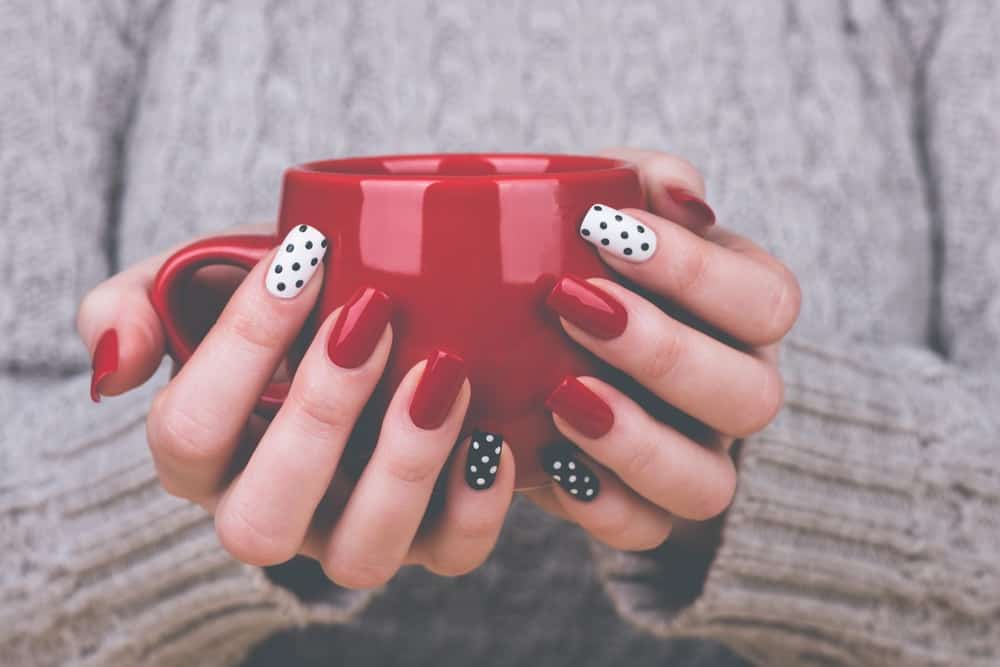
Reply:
x=618, y=233
x=296, y=262
x=484, y=459
x=701, y=214
x=437, y=390
x=566, y=469
x=588, y=307
x=105, y=362
x=583, y=409
x=359, y=327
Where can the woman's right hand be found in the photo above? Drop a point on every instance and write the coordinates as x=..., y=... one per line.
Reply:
x=274, y=487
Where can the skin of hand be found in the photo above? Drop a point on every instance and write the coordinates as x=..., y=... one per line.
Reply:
x=273, y=487
x=655, y=476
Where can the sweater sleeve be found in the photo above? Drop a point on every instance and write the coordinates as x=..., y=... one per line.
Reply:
x=864, y=530
x=98, y=566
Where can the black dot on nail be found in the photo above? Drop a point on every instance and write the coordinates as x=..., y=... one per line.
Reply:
x=628, y=251
x=296, y=266
x=585, y=232
x=309, y=245
x=640, y=229
x=624, y=235
x=604, y=225
x=302, y=228
x=618, y=218
x=322, y=244
x=315, y=261
x=298, y=283
x=289, y=248
x=598, y=208
x=645, y=246
x=281, y=287
x=278, y=269
x=605, y=241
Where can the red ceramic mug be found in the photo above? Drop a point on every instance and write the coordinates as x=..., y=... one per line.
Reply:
x=467, y=246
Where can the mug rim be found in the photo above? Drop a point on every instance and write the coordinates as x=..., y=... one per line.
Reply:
x=429, y=167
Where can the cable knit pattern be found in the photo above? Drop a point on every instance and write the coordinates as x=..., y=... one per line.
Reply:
x=858, y=140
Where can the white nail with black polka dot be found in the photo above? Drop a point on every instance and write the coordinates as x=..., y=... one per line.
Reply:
x=483, y=460
x=618, y=233
x=297, y=260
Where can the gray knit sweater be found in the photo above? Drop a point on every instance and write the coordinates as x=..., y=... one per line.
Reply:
x=859, y=140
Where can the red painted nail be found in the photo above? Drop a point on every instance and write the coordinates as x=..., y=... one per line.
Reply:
x=438, y=388
x=583, y=409
x=701, y=214
x=105, y=362
x=359, y=327
x=588, y=307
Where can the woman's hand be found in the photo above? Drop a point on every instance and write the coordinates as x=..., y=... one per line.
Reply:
x=274, y=488
x=651, y=472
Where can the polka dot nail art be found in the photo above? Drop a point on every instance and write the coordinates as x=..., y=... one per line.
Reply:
x=618, y=233
x=568, y=471
x=296, y=262
x=483, y=460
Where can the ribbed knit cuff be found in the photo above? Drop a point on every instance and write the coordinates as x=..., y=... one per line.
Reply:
x=101, y=567
x=864, y=530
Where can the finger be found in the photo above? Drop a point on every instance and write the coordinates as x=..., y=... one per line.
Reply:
x=673, y=187
x=729, y=390
x=476, y=502
x=419, y=430
x=595, y=498
x=117, y=323
x=264, y=516
x=753, y=300
x=197, y=420
x=657, y=462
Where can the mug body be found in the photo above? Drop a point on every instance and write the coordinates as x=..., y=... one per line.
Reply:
x=468, y=247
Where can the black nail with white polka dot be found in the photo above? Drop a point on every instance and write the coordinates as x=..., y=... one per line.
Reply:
x=484, y=459
x=562, y=463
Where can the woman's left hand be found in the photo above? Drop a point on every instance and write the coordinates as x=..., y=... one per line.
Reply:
x=631, y=475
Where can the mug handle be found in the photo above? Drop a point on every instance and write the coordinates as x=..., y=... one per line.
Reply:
x=243, y=251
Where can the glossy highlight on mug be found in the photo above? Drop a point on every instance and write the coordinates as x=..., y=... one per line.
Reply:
x=467, y=247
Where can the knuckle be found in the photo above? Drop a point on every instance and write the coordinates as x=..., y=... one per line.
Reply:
x=715, y=498
x=252, y=326
x=240, y=535
x=767, y=402
x=690, y=268
x=318, y=404
x=177, y=435
x=785, y=304
x=357, y=573
x=411, y=467
x=665, y=355
x=641, y=459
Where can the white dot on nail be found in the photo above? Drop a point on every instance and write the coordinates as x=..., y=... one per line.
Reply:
x=587, y=478
x=574, y=491
x=557, y=478
x=489, y=438
x=486, y=459
x=571, y=465
x=472, y=468
x=475, y=445
x=556, y=465
x=590, y=492
x=493, y=470
x=572, y=478
x=480, y=481
x=496, y=451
